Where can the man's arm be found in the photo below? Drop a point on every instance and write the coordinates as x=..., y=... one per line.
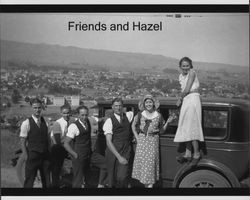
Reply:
x=23, y=141
x=112, y=148
x=25, y=127
x=107, y=128
x=68, y=148
x=134, y=130
x=56, y=136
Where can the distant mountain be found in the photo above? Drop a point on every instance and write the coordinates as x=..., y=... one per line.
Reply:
x=46, y=54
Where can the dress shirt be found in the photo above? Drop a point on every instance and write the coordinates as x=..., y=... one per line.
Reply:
x=25, y=127
x=108, y=126
x=73, y=131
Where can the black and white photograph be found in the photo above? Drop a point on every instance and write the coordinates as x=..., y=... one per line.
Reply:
x=93, y=101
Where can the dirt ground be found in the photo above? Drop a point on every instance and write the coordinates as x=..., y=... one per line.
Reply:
x=9, y=178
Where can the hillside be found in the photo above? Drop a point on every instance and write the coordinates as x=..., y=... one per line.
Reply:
x=45, y=54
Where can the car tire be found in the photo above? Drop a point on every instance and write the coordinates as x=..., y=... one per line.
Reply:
x=204, y=179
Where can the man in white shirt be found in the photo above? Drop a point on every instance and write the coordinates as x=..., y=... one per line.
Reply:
x=79, y=133
x=58, y=153
x=118, y=137
x=35, y=144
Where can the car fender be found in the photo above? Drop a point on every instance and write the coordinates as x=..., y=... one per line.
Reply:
x=210, y=165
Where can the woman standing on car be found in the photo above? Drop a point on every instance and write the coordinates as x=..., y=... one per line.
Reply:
x=146, y=127
x=189, y=125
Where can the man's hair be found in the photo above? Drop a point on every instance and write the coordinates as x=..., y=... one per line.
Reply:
x=117, y=99
x=35, y=100
x=65, y=106
x=81, y=107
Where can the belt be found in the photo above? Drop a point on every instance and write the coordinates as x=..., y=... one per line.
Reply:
x=150, y=134
x=195, y=91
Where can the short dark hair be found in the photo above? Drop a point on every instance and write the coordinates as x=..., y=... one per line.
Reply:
x=117, y=99
x=65, y=106
x=187, y=59
x=35, y=100
x=81, y=107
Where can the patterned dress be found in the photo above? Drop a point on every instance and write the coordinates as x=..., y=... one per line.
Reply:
x=146, y=162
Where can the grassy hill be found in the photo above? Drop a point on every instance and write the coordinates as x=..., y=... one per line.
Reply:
x=70, y=56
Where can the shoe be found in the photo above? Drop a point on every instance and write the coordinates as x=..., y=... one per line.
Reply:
x=182, y=159
x=195, y=161
x=100, y=186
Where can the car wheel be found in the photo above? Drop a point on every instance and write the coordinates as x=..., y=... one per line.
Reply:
x=204, y=179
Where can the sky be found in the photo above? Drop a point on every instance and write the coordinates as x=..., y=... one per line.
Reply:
x=206, y=37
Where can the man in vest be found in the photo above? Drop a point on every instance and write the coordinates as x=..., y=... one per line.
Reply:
x=80, y=133
x=98, y=155
x=58, y=152
x=118, y=138
x=35, y=143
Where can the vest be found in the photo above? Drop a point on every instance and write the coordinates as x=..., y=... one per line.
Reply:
x=82, y=142
x=38, y=137
x=121, y=137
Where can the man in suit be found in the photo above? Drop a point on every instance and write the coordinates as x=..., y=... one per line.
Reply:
x=35, y=142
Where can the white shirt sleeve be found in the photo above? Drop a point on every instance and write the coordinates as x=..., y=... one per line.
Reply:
x=130, y=116
x=108, y=127
x=56, y=128
x=72, y=131
x=25, y=128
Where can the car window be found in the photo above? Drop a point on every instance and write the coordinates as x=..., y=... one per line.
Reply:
x=215, y=123
x=172, y=126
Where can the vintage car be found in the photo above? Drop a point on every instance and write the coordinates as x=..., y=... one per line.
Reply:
x=225, y=152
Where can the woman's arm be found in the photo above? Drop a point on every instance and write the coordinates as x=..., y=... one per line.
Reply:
x=190, y=81
x=164, y=126
x=170, y=119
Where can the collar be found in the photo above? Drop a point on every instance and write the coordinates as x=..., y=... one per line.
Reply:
x=82, y=123
x=151, y=115
x=35, y=118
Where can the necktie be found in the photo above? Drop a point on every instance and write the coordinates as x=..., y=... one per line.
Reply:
x=86, y=125
x=39, y=122
x=66, y=128
x=121, y=118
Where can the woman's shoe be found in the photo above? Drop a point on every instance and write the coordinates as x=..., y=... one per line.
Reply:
x=183, y=159
x=195, y=161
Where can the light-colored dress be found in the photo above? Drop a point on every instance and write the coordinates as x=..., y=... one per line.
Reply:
x=189, y=124
x=146, y=161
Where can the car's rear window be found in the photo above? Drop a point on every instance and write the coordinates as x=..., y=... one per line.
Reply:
x=215, y=123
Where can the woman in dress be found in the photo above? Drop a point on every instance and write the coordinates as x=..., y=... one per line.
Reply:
x=189, y=125
x=146, y=127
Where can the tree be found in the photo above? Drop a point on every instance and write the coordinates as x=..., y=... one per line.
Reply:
x=27, y=99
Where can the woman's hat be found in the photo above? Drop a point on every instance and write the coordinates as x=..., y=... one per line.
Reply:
x=148, y=96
